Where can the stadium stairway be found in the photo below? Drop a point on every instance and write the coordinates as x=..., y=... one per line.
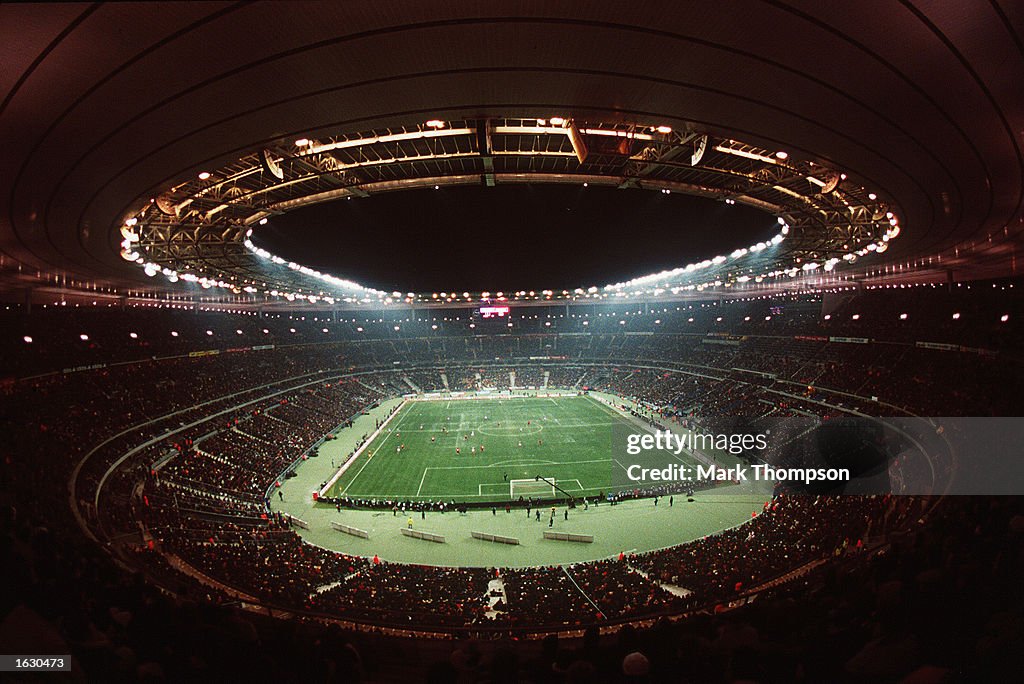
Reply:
x=495, y=593
x=673, y=589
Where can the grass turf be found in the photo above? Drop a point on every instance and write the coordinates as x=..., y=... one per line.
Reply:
x=565, y=439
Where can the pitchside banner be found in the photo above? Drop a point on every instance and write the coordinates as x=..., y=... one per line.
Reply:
x=843, y=455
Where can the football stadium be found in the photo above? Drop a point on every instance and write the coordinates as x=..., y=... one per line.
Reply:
x=516, y=342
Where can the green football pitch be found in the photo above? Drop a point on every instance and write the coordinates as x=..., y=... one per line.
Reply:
x=472, y=450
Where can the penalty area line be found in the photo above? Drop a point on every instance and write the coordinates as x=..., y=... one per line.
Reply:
x=491, y=465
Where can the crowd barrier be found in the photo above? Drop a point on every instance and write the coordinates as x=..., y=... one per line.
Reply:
x=426, y=536
x=495, y=538
x=348, y=529
x=568, y=536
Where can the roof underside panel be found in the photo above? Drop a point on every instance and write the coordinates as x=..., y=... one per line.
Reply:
x=107, y=106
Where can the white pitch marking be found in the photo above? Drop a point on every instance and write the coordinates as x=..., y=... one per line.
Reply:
x=525, y=463
x=554, y=463
x=620, y=465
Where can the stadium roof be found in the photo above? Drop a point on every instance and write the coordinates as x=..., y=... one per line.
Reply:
x=107, y=108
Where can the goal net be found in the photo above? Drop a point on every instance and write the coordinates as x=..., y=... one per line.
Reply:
x=531, y=487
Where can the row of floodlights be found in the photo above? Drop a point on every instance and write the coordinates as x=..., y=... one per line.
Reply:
x=666, y=277
x=28, y=339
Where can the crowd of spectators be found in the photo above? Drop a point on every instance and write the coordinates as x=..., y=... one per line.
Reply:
x=622, y=592
x=791, y=531
x=409, y=595
x=277, y=568
x=544, y=595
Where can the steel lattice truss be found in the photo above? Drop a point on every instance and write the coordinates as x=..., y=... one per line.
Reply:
x=201, y=226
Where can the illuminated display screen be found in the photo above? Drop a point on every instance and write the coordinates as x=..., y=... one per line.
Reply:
x=493, y=311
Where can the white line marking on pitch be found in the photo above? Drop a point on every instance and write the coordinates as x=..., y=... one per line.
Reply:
x=554, y=463
x=620, y=465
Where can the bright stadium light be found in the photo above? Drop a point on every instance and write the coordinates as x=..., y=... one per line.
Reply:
x=744, y=153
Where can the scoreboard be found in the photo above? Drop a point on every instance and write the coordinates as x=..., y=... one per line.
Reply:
x=493, y=311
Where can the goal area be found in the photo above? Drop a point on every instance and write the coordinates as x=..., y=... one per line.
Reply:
x=532, y=487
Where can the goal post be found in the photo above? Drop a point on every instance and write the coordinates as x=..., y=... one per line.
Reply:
x=532, y=487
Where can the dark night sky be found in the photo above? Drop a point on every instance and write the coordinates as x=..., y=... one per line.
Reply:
x=510, y=237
